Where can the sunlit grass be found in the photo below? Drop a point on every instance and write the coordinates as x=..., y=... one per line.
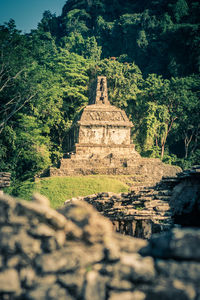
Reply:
x=59, y=189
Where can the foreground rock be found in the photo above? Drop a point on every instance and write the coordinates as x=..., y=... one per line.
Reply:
x=74, y=254
x=185, y=201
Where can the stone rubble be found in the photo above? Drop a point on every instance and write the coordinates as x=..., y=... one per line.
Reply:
x=4, y=180
x=152, y=209
x=73, y=254
x=140, y=213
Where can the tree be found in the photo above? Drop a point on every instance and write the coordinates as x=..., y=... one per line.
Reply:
x=158, y=36
x=88, y=47
x=142, y=39
x=15, y=88
x=180, y=9
x=169, y=108
x=188, y=126
x=24, y=86
x=32, y=154
x=75, y=21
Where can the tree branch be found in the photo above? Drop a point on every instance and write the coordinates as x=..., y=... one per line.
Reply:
x=6, y=83
x=14, y=111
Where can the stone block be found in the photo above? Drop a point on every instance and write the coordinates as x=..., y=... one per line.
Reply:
x=9, y=281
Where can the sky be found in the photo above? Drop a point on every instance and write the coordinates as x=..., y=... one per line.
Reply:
x=27, y=13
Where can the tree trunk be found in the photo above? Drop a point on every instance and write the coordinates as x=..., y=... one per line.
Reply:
x=162, y=150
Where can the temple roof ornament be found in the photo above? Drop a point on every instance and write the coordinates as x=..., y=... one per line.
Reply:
x=100, y=111
x=100, y=95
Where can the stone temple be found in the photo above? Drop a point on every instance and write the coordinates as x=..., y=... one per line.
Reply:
x=102, y=128
x=99, y=142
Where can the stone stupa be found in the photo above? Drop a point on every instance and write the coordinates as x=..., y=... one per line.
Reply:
x=99, y=142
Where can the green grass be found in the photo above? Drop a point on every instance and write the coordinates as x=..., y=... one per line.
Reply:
x=59, y=189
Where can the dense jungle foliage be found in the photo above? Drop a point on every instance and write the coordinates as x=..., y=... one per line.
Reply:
x=150, y=53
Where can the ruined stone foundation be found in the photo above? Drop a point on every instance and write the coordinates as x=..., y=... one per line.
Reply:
x=174, y=201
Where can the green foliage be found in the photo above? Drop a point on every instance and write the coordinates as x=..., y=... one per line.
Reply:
x=39, y=100
x=31, y=147
x=180, y=9
x=156, y=35
x=123, y=82
x=59, y=189
x=169, y=109
x=76, y=21
x=23, y=190
x=149, y=51
x=88, y=47
x=142, y=39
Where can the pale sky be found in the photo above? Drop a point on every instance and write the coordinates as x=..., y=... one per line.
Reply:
x=27, y=13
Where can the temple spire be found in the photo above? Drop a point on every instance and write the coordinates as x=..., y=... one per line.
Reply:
x=100, y=97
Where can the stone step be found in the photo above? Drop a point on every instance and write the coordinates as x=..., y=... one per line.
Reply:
x=164, y=192
x=162, y=208
x=155, y=203
x=163, y=198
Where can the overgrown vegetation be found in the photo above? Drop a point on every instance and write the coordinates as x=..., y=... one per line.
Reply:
x=149, y=51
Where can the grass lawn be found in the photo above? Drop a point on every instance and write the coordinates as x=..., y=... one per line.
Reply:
x=59, y=189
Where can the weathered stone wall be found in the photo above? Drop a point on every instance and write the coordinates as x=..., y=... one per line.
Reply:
x=102, y=152
x=104, y=135
x=145, y=170
x=140, y=213
x=152, y=209
x=74, y=254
